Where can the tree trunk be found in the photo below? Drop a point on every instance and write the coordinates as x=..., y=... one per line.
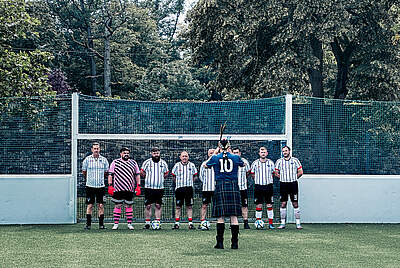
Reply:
x=343, y=62
x=93, y=73
x=315, y=74
x=107, y=68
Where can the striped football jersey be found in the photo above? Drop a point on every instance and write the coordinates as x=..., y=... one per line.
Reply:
x=263, y=171
x=184, y=174
x=288, y=169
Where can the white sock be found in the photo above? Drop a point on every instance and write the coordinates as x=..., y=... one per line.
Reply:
x=283, y=215
x=270, y=214
x=297, y=215
x=258, y=214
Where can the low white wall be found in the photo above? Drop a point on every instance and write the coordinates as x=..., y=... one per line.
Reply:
x=37, y=199
x=350, y=198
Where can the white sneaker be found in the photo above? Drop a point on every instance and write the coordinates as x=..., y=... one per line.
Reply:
x=130, y=227
x=115, y=226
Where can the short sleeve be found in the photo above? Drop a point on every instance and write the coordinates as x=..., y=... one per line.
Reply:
x=201, y=174
x=165, y=167
x=106, y=165
x=246, y=166
x=85, y=164
x=174, y=169
x=298, y=164
x=278, y=165
x=253, y=166
x=272, y=165
x=212, y=161
x=112, y=167
x=137, y=171
x=194, y=169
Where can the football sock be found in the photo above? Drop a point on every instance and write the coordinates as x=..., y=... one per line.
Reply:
x=101, y=220
x=190, y=220
x=147, y=221
x=176, y=220
x=88, y=219
x=117, y=215
x=297, y=215
x=283, y=215
x=129, y=215
x=258, y=213
x=270, y=213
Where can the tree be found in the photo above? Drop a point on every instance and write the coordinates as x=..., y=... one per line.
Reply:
x=265, y=48
x=22, y=73
x=76, y=19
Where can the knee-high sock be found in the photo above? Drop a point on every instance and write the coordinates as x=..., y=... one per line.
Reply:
x=101, y=220
x=283, y=215
x=117, y=215
x=270, y=213
x=220, y=231
x=88, y=219
x=235, y=233
x=129, y=215
x=258, y=213
x=297, y=215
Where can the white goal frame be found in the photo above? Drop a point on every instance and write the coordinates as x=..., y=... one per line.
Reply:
x=75, y=136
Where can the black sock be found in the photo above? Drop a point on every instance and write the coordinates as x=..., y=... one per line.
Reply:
x=246, y=221
x=101, y=220
x=235, y=232
x=88, y=219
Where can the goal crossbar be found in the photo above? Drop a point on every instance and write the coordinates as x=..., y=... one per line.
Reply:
x=205, y=137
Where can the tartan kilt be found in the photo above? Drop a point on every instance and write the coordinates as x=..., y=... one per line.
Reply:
x=227, y=199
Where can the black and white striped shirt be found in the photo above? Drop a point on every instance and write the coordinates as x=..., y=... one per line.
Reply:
x=242, y=175
x=154, y=173
x=184, y=174
x=263, y=171
x=207, y=177
x=288, y=169
x=95, y=168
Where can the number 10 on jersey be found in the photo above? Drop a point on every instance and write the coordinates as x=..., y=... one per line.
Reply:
x=226, y=165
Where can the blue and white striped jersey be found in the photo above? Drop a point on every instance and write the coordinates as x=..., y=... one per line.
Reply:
x=95, y=169
x=207, y=177
x=288, y=169
x=184, y=174
x=263, y=171
x=154, y=173
x=242, y=175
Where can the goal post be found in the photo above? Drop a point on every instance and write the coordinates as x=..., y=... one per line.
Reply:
x=177, y=126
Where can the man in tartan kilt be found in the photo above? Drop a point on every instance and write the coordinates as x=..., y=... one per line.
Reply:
x=227, y=201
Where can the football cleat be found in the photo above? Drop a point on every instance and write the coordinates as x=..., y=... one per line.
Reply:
x=102, y=227
x=130, y=226
x=282, y=226
x=115, y=226
x=175, y=227
x=191, y=227
x=299, y=227
x=146, y=226
x=271, y=226
x=87, y=227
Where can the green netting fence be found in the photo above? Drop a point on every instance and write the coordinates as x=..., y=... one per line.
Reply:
x=329, y=136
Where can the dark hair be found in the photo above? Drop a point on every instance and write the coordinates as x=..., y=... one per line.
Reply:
x=95, y=143
x=235, y=148
x=155, y=149
x=123, y=149
x=286, y=147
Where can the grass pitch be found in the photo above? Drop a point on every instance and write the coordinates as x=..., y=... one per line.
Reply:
x=317, y=245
